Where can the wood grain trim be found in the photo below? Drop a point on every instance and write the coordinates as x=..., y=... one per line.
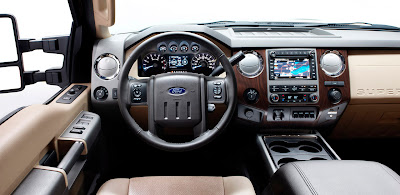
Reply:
x=324, y=102
x=259, y=83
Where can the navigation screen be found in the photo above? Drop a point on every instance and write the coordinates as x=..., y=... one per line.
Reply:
x=291, y=68
x=178, y=61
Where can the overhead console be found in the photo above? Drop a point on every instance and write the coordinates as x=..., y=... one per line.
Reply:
x=299, y=87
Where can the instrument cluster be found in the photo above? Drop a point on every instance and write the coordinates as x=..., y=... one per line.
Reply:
x=176, y=56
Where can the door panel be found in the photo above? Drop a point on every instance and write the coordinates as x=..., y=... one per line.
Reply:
x=29, y=134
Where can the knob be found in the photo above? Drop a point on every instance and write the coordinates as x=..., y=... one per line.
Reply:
x=72, y=91
x=314, y=97
x=274, y=97
x=334, y=95
x=249, y=113
x=100, y=93
x=251, y=95
x=272, y=54
x=312, y=53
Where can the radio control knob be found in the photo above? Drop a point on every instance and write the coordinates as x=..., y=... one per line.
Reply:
x=312, y=53
x=314, y=97
x=274, y=97
x=334, y=95
x=272, y=54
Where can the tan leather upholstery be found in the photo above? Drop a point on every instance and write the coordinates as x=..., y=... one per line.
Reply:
x=25, y=137
x=166, y=185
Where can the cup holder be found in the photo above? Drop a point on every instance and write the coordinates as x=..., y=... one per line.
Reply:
x=310, y=149
x=283, y=146
x=284, y=161
x=318, y=158
x=280, y=149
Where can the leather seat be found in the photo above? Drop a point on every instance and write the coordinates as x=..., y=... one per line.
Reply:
x=182, y=185
x=334, y=177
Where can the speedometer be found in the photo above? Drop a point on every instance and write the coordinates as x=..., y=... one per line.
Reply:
x=153, y=63
x=203, y=63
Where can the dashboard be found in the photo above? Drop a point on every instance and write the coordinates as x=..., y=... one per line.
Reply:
x=291, y=83
x=176, y=56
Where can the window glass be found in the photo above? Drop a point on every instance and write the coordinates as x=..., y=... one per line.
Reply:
x=36, y=20
x=137, y=15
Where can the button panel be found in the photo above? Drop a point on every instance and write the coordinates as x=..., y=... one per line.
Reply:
x=71, y=94
x=303, y=114
x=138, y=92
x=294, y=98
x=293, y=88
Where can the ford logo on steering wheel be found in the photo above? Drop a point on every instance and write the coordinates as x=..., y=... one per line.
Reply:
x=177, y=90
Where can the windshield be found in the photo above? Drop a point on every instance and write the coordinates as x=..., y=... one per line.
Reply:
x=134, y=16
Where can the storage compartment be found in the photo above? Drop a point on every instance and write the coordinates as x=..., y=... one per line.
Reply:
x=282, y=149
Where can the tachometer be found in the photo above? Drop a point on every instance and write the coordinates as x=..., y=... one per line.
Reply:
x=203, y=63
x=153, y=63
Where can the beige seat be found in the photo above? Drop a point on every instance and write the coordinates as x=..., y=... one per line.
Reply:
x=182, y=185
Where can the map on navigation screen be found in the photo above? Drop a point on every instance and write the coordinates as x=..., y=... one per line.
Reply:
x=287, y=68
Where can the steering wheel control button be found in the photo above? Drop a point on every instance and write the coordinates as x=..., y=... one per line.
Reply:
x=217, y=97
x=138, y=92
x=211, y=107
x=217, y=82
x=217, y=90
x=100, y=93
x=274, y=98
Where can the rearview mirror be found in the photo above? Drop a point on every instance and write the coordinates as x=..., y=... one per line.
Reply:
x=11, y=69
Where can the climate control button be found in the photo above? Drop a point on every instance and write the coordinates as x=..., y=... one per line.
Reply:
x=274, y=97
x=314, y=97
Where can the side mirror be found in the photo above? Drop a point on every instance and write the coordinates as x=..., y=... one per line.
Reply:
x=11, y=68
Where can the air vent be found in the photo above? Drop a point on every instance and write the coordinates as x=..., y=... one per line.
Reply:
x=282, y=33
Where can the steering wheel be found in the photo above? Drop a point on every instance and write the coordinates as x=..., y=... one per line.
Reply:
x=179, y=100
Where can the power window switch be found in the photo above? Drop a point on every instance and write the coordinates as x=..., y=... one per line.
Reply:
x=78, y=127
x=83, y=122
x=77, y=131
x=87, y=116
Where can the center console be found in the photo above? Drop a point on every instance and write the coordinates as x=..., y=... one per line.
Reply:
x=292, y=76
x=299, y=88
